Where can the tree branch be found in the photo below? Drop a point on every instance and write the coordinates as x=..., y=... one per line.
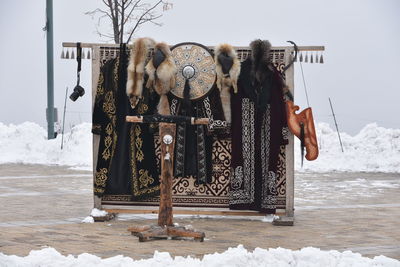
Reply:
x=141, y=17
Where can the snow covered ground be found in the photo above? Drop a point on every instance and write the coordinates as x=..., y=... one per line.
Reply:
x=232, y=257
x=27, y=143
x=374, y=149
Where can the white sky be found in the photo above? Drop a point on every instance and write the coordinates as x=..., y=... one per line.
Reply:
x=360, y=73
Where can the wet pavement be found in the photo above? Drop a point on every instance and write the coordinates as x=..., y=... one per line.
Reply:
x=44, y=206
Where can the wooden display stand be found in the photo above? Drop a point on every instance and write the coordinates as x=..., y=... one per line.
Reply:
x=165, y=228
x=280, y=55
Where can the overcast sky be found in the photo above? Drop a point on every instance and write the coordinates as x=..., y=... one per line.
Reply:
x=360, y=74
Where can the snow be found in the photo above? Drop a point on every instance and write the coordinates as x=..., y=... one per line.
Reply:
x=373, y=149
x=98, y=213
x=27, y=143
x=238, y=256
x=88, y=219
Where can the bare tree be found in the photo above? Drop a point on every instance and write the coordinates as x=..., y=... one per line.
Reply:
x=126, y=16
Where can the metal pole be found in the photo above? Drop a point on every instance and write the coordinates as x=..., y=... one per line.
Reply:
x=50, y=70
x=65, y=109
x=337, y=128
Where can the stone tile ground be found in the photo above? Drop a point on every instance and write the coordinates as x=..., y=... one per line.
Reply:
x=43, y=206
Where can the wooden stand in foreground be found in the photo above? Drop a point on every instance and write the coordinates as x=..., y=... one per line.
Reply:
x=165, y=228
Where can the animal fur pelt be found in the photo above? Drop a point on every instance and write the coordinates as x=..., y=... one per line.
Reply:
x=260, y=56
x=227, y=76
x=134, y=85
x=162, y=77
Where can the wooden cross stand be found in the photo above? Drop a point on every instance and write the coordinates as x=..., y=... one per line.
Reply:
x=165, y=228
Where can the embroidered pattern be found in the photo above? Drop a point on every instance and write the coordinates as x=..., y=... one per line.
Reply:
x=106, y=154
x=207, y=107
x=100, y=85
x=142, y=108
x=212, y=123
x=285, y=133
x=180, y=149
x=109, y=104
x=237, y=178
x=173, y=106
x=268, y=191
x=201, y=155
x=100, y=179
x=140, y=186
x=246, y=195
x=145, y=179
x=138, y=143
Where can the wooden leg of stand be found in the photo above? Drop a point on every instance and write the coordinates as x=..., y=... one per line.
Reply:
x=138, y=229
x=165, y=211
x=182, y=232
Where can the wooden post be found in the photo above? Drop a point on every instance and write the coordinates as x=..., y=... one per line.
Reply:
x=167, y=160
x=165, y=227
x=96, y=138
x=288, y=219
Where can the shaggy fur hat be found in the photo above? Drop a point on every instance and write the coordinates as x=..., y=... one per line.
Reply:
x=227, y=79
x=260, y=55
x=162, y=71
x=134, y=85
x=228, y=70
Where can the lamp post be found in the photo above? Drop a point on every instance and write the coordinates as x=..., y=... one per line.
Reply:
x=50, y=70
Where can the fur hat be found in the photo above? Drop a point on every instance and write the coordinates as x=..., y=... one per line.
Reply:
x=227, y=79
x=260, y=53
x=134, y=85
x=228, y=70
x=162, y=71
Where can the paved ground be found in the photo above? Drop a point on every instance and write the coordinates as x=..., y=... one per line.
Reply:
x=43, y=206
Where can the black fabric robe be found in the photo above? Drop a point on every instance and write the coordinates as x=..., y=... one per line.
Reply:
x=193, y=149
x=126, y=162
x=258, y=130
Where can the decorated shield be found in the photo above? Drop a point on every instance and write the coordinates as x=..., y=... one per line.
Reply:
x=195, y=63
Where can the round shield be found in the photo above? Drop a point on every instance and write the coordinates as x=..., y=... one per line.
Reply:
x=195, y=63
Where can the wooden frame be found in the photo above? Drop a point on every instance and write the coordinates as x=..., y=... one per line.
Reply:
x=286, y=216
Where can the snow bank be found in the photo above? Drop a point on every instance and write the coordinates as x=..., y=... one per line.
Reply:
x=232, y=257
x=27, y=143
x=88, y=219
x=374, y=149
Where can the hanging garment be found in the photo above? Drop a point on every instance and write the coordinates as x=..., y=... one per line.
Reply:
x=258, y=130
x=193, y=149
x=126, y=162
x=194, y=95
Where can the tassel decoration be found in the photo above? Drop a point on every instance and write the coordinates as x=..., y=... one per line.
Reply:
x=88, y=54
x=83, y=53
x=321, y=59
x=301, y=57
x=302, y=142
x=306, y=59
x=67, y=55
x=186, y=97
x=62, y=54
x=316, y=58
x=311, y=58
x=72, y=54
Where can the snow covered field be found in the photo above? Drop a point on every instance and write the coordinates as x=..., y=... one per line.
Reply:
x=374, y=149
x=232, y=257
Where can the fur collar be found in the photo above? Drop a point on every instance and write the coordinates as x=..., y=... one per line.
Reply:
x=162, y=78
x=134, y=85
